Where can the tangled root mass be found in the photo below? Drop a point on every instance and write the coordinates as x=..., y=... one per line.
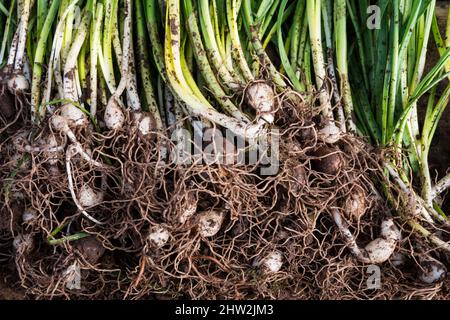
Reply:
x=178, y=230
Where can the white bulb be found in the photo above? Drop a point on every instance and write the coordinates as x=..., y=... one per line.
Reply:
x=432, y=271
x=146, y=125
x=114, y=116
x=329, y=134
x=390, y=231
x=18, y=83
x=59, y=123
x=158, y=236
x=260, y=97
x=210, y=223
x=72, y=277
x=73, y=115
x=273, y=262
x=88, y=197
x=380, y=250
x=191, y=208
x=29, y=215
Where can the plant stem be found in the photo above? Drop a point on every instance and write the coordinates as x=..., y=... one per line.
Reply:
x=70, y=90
x=39, y=59
x=313, y=8
x=95, y=39
x=144, y=66
x=342, y=59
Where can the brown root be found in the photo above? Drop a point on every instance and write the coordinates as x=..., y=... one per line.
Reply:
x=276, y=236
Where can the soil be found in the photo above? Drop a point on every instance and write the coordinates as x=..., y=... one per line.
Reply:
x=8, y=290
x=9, y=293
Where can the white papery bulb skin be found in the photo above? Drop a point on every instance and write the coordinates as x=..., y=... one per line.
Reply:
x=261, y=97
x=114, y=116
x=158, y=236
x=18, y=83
x=432, y=271
x=210, y=223
x=29, y=215
x=145, y=122
x=380, y=250
x=73, y=115
x=273, y=262
x=329, y=134
x=88, y=197
x=390, y=231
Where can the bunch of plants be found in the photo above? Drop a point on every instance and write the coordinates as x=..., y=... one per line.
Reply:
x=231, y=149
